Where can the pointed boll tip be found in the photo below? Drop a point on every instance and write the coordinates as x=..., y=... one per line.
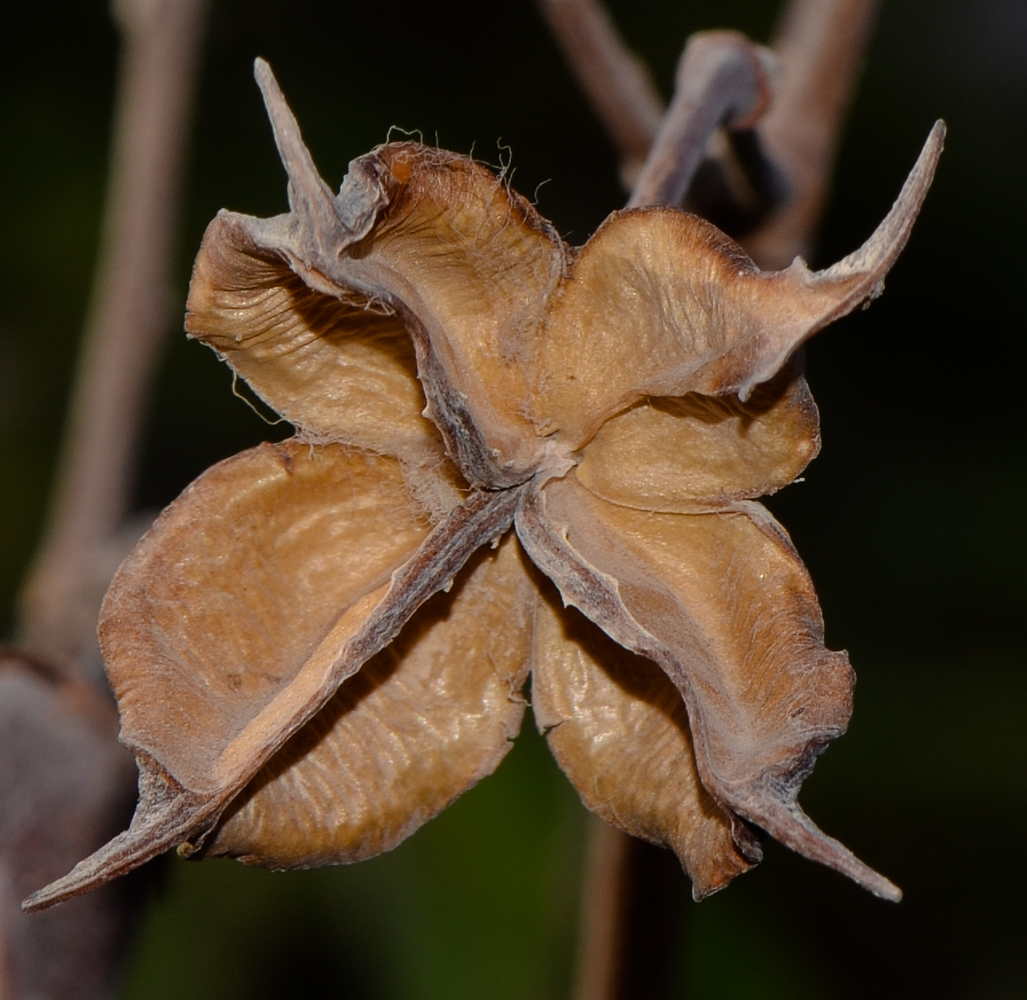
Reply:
x=872, y=261
x=844, y=861
x=892, y=893
x=927, y=162
x=274, y=100
x=920, y=177
x=125, y=852
x=305, y=184
x=42, y=899
x=834, y=855
x=262, y=74
x=75, y=883
x=874, y=882
x=154, y=829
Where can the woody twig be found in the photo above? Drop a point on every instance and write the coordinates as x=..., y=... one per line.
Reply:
x=67, y=785
x=616, y=82
x=128, y=315
x=820, y=45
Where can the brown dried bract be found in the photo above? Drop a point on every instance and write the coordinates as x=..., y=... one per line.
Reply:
x=322, y=643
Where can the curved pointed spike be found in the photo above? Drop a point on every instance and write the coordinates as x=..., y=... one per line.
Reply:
x=787, y=823
x=310, y=198
x=876, y=257
x=800, y=302
x=128, y=850
x=167, y=815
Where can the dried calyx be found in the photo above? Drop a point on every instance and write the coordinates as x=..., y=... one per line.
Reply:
x=322, y=643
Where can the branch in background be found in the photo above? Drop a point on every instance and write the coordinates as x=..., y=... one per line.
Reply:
x=66, y=787
x=735, y=182
x=722, y=80
x=65, y=783
x=600, y=934
x=614, y=79
x=767, y=188
x=821, y=45
x=630, y=909
x=128, y=314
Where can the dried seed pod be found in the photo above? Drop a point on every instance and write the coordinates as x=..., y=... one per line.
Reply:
x=292, y=689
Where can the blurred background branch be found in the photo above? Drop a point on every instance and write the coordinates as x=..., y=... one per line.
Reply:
x=723, y=81
x=616, y=82
x=65, y=783
x=821, y=45
x=130, y=312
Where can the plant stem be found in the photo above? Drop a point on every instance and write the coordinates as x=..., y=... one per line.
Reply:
x=616, y=82
x=629, y=919
x=821, y=45
x=722, y=79
x=128, y=314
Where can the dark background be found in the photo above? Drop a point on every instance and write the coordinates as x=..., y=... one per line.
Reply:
x=911, y=520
